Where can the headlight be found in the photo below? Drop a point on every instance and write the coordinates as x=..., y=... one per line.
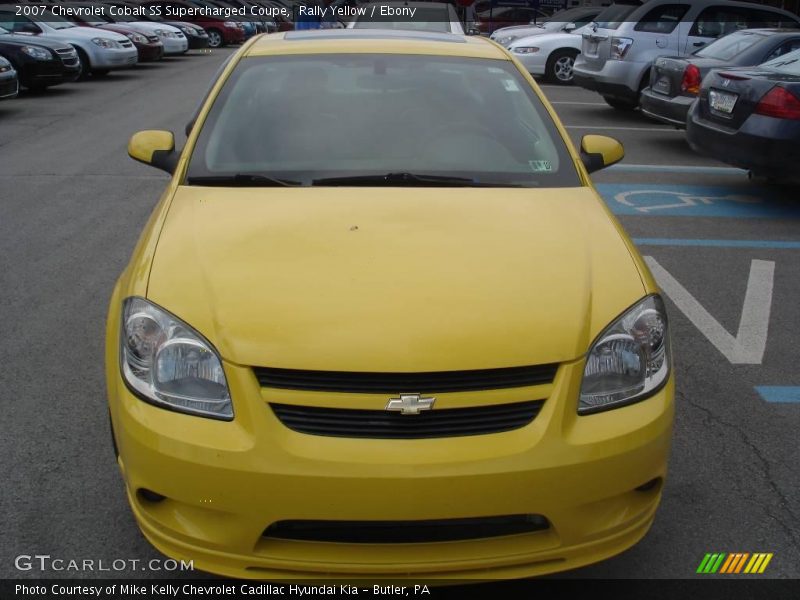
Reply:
x=525, y=50
x=136, y=38
x=187, y=30
x=160, y=32
x=105, y=43
x=231, y=24
x=37, y=52
x=629, y=361
x=169, y=364
x=505, y=40
x=619, y=47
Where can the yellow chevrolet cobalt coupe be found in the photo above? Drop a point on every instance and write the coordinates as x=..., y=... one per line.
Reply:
x=380, y=325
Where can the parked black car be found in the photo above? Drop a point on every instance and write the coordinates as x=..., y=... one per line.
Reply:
x=39, y=63
x=675, y=82
x=750, y=117
x=9, y=86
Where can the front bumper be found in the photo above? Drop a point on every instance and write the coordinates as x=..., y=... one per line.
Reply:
x=150, y=51
x=226, y=482
x=174, y=46
x=114, y=58
x=764, y=145
x=534, y=63
x=197, y=42
x=672, y=111
x=9, y=85
x=41, y=73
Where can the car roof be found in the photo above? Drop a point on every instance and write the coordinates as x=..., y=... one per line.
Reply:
x=375, y=41
x=645, y=7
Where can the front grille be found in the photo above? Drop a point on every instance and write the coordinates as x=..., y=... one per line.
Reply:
x=381, y=424
x=68, y=56
x=126, y=44
x=395, y=383
x=405, y=532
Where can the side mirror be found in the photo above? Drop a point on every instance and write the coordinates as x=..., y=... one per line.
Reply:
x=600, y=151
x=473, y=31
x=154, y=148
x=570, y=27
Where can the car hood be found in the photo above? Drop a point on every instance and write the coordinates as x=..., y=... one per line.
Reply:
x=561, y=39
x=393, y=279
x=83, y=33
x=151, y=27
x=29, y=40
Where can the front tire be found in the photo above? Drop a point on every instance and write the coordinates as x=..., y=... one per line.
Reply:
x=559, y=66
x=85, y=66
x=215, y=39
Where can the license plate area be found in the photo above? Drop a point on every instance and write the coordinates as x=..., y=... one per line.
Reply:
x=722, y=102
x=662, y=85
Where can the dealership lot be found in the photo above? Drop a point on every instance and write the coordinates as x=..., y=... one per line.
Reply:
x=725, y=249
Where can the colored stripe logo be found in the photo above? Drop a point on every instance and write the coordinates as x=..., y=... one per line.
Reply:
x=734, y=563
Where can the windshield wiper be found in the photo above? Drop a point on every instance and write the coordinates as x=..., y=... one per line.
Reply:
x=409, y=179
x=241, y=180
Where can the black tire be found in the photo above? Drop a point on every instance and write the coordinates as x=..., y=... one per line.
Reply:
x=620, y=103
x=559, y=66
x=85, y=65
x=215, y=38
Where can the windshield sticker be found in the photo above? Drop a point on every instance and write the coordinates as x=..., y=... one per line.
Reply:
x=510, y=85
x=540, y=166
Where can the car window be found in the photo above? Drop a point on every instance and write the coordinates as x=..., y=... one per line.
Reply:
x=788, y=64
x=766, y=18
x=784, y=48
x=613, y=16
x=731, y=45
x=716, y=21
x=662, y=19
x=309, y=117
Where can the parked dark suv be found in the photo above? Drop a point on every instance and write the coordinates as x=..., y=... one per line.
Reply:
x=39, y=63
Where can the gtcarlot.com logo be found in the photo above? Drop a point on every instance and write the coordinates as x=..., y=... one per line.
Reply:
x=45, y=562
x=735, y=563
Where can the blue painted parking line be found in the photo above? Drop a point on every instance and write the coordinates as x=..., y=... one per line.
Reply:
x=779, y=393
x=625, y=168
x=697, y=201
x=768, y=244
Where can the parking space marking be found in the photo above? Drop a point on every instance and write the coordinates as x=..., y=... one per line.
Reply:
x=571, y=103
x=779, y=393
x=677, y=169
x=697, y=201
x=762, y=244
x=747, y=348
x=615, y=128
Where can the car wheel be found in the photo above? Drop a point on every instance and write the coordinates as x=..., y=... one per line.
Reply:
x=215, y=39
x=85, y=66
x=559, y=66
x=99, y=72
x=620, y=104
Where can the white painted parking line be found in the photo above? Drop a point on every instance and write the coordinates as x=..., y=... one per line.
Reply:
x=569, y=102
x=747, y=348
x=613, y=128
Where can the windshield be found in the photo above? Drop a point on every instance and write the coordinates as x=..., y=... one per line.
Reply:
x=788, y=64
x=613, y=16
x=4, y=31
x=309, y=117
x=729, y=46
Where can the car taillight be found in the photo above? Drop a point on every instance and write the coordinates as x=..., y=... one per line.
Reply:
x=779, y=103
x=691, y=80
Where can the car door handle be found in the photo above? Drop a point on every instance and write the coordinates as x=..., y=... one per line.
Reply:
x=698, y=44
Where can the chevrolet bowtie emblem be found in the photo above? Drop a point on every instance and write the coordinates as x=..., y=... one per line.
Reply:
x=410, y=404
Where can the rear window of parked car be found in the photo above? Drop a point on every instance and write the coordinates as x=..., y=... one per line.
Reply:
x=613, y=16
x=731, y=45
x=662, y=19
x=788, y=64
x=716, y=21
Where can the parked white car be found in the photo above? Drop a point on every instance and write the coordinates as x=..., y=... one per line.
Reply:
x=100, y=51
x=564, y=21
x=619, y=50
x=551, y=55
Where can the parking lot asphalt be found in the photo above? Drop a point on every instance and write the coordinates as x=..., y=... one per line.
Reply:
x=726, y=251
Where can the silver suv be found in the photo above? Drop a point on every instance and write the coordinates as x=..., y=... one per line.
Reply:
x=620, y=47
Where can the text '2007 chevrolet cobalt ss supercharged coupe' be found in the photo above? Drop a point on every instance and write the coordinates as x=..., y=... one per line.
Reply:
x=381, y=325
